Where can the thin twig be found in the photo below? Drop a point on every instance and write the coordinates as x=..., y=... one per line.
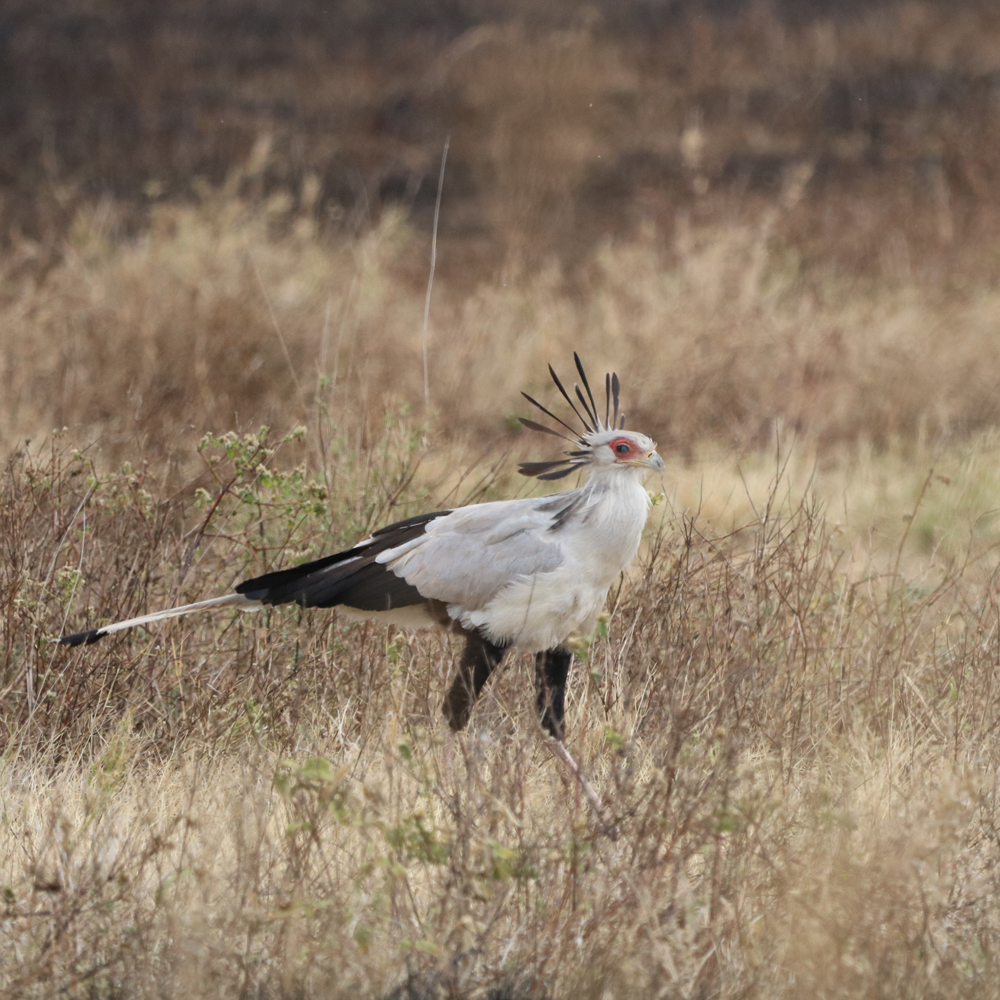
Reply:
x=559, y=751
x=340, y=332
x=909, y=524
x=430, y=277
x=69, y=525
x=79, y=567
x=324, y=344
x=274, y=319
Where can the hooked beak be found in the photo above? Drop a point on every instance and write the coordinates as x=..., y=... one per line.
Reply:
x=650, y=461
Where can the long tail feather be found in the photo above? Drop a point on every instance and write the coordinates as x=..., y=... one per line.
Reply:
x=92, y=635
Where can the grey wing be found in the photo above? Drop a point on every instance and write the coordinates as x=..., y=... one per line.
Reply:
x=469, y=556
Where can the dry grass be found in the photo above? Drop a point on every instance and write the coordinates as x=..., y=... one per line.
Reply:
x=791, y=712
x=801, y=760
x=792, y=708
x=204, y=322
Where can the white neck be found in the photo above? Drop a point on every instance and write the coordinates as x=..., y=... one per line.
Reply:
x=613, y=516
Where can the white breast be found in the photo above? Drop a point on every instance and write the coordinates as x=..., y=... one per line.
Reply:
x=542, y=610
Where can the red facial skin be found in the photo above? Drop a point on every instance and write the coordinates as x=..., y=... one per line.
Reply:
x=622, y=455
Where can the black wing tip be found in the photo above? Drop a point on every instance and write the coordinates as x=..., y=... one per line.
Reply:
x=87, y=638
x=322, y=583
x=411, y=522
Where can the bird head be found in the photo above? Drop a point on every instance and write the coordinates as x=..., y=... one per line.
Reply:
x=622, y=449
x=603, y=445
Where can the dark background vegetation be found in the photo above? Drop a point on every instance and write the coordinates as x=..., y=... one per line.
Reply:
x=895, y=105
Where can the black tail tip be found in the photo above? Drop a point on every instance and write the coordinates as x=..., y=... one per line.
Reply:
x=81, y=638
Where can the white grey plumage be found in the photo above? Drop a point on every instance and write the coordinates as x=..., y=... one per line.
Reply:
x=528, y=573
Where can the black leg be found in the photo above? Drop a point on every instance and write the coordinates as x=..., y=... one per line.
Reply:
x=479, y=659
x=551, y=670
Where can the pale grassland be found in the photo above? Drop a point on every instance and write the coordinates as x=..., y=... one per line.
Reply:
x=791, y=711
x=220, y=316
x=944, y=498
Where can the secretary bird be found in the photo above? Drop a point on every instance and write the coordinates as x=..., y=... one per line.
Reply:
x=528, y=573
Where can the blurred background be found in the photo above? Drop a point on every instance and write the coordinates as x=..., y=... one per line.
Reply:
x=218, y=214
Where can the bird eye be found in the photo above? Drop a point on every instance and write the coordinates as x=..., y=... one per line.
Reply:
x=622, y=448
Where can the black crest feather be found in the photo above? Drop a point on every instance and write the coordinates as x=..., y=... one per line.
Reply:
x=593, y=406
x=535, y=402
x=572, y=405
x=533, y=425
x=592, y=423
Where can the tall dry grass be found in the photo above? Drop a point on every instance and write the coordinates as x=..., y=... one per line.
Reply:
x=767, y=221
x=801, y=766
x=790, y=711
x=211, y=319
